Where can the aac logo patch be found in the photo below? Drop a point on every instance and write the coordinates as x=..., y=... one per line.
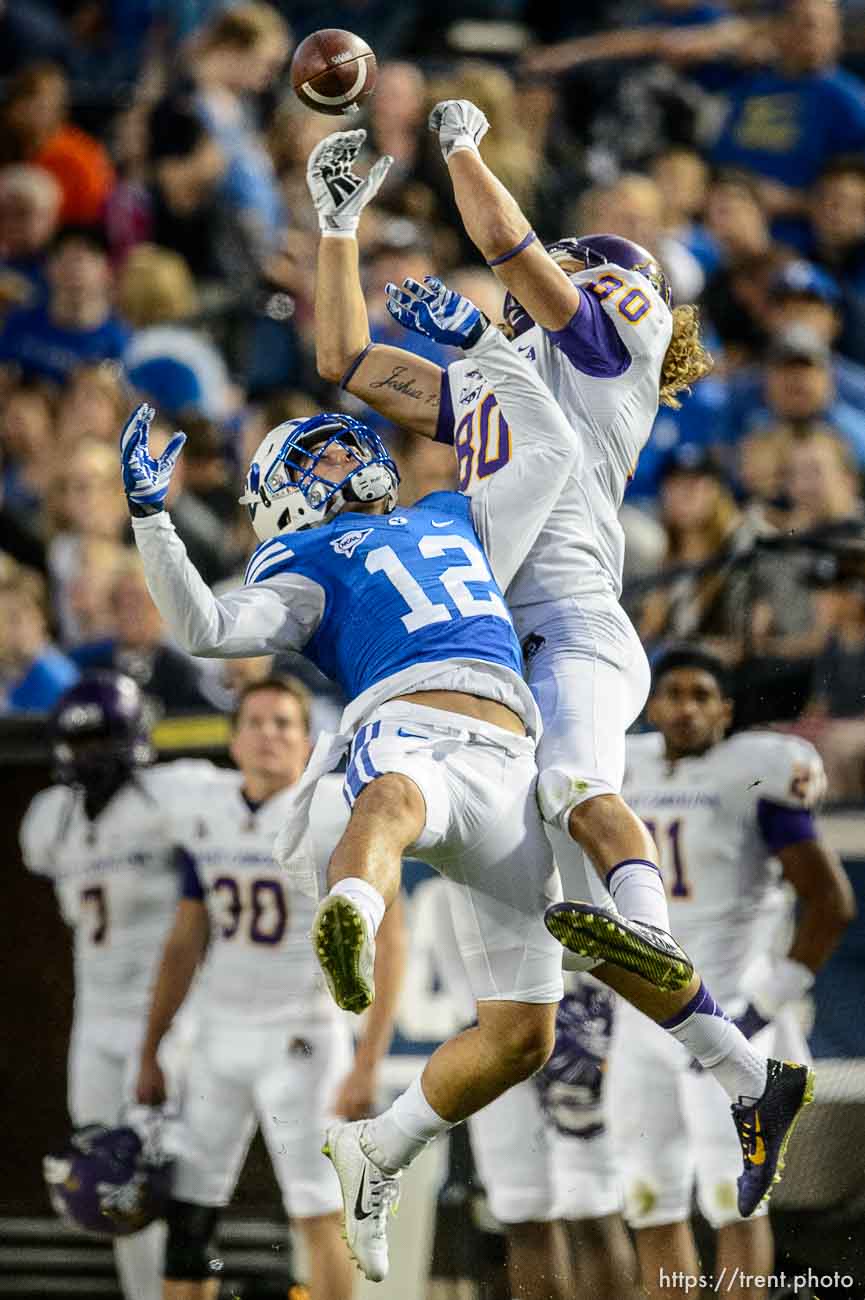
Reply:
x=348, y=543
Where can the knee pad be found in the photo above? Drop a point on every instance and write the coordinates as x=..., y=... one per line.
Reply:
x=188, y=1251
x=560, y=791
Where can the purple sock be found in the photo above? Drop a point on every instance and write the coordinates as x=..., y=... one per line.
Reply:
x=707, y=1032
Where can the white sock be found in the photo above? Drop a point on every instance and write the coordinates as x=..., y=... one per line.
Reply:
x=365, y=897
x=638, y=892
x=393, y=1139
x=139, y=1260
x=719, y=1046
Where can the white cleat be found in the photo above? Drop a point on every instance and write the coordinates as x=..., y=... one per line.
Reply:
x=346, y=952
x=368, y=1195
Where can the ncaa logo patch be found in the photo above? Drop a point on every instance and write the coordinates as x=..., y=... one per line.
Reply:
x=348, y=543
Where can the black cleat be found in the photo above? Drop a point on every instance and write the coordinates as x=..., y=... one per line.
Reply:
x=764, y=1129
x=631, y=945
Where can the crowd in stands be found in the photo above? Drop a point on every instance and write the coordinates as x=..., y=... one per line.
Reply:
x=156, y=241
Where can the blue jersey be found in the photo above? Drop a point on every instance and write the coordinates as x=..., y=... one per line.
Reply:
x=400, y=589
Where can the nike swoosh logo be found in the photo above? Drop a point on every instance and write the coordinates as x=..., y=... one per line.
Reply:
x=759, y=1155
x=359, y=1212
x=410, y=735
x=445, y=524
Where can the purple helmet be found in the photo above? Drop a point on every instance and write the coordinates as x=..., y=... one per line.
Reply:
x=107, y=1180
x=597, y=250
x=570, y=1082
x=98, y=730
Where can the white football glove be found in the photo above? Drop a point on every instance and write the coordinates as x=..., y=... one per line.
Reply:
x=338, y=194
x=460, y=125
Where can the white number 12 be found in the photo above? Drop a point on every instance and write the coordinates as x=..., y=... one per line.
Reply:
x=423, y=611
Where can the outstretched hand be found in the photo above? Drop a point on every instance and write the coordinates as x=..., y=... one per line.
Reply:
x=338, y=193
x=145, y=479
x=436, y=312
x=459, y=124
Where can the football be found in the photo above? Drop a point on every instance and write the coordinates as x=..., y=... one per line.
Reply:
x=333, y=71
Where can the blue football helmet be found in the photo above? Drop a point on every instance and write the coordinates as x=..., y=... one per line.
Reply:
x=284, y=492
x=98, y=731
x=596, y=250
x=109, y=1180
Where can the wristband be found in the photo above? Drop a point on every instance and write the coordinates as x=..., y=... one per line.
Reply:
x=328, y=233
x=513, y=252
x=460, y=144
x=354, y=365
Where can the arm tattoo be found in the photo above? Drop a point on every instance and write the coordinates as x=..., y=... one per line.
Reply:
x=399, y=381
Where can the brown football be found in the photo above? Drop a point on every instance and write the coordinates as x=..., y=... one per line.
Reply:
x=333, y=71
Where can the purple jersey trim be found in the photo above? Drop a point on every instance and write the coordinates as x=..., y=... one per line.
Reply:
x=590, y=340
x=445, y=426
x=781, y=826
x=191, y=886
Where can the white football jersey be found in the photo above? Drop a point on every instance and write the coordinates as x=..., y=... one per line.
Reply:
x=260, y=965
x=117, y=879
x=610, y=397
x=705, y=816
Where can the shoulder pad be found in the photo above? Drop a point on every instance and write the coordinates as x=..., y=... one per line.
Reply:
x=783, y=769
x=41, y=826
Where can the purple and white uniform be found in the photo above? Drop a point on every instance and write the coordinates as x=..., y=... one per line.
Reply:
x=718, y=819
x=117, y=881
x=543, y=1149
x=271, y=1047
x=585, y=664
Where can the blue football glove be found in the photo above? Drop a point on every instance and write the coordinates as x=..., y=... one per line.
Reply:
x=145, y=480
x=435, y=311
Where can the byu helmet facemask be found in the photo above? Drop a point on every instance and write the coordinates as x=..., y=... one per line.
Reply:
x=284, y=492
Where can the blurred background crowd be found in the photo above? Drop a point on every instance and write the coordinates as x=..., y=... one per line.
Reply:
x=156, y=240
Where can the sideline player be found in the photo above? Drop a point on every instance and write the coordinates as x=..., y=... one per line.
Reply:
x=606, y=346
x=103, y=837
x=271, y=1047
x=722, y=811
x=593, y=315
x=436, y=726
x=543, y=1150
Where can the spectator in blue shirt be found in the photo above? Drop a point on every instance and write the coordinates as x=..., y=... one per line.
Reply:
x=786, y=122
x=798, y=389
x=33, y=673
x=836, y=212
x=240, y=55
x=697, y=425
x=77, y=324
x=801, y=296
x=29, y=210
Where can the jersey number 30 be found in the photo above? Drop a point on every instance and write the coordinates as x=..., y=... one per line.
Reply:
x=422, y=610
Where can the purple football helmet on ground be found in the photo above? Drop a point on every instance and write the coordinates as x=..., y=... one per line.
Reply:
x=108, y=1180
x=570, y=1083
x=98, y=730
x=598, y=250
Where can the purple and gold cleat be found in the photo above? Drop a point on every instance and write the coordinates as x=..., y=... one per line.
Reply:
x=764, y=1129
x=631, y=945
